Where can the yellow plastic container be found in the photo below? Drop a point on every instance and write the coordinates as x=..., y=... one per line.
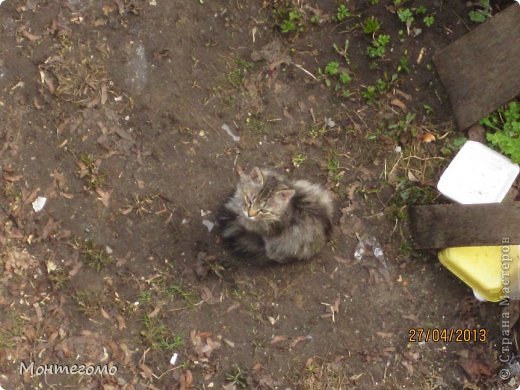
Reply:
x=493, y=272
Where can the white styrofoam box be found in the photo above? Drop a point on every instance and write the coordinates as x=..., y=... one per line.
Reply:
x=478, y=174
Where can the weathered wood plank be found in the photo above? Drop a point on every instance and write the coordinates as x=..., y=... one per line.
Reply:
x=448, y=225
x=480, y=70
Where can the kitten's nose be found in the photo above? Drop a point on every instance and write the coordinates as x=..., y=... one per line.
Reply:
x=251, y=212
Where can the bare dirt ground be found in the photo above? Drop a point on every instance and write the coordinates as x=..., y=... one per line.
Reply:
x=113, y=111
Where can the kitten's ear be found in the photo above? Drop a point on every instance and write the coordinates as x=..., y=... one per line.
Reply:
x=284, y=196
x=256, y=176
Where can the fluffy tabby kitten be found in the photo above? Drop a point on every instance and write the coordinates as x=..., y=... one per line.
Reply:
x=270, y=216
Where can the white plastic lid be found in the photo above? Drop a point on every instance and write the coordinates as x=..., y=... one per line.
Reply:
x=478, y=174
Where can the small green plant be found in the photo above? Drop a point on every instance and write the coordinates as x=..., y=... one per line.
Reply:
x=370, y=93
x=317, y=131
x=429, y=20
x=89, y=171
x=237, y=377
x=237, y=75
x=11, y=329
x=144, y=297
x=89, y=301
x=371, y=25
x=93, y=255
x=381, y=87
x=158, y=337
x=404, y=125
x=333, y=167
x=256, y=125
x=453, y=145
x=378, y=47
x=335, y=75
x=404, y=64
x=298, y=159
x=292, y=23
x=373, y=2
x=342, y=13
x=345, y=78
x=332, y=68
x=180, y=291
x=421, y=10
x=427, y=108
x=343, y=52
x=405, y=15
x=315, y=19
x=506, y=123
x=480, y=15
x=408, y=193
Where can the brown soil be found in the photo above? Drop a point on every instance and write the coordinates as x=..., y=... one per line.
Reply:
x=112, y=110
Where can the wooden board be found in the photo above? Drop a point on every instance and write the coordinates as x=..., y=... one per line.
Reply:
x=480, y=71
x=447, y=225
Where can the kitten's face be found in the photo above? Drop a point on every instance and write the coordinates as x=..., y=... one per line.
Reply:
x=263, y=199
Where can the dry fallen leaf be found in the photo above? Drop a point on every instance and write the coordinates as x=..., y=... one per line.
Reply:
x=104, y=313
x=104, y=196
x=412, y=177
x=411, y=317
x=298, y=340
x=38, y=311
x=76, y=269
x=475, y=368
x=399, y=103
x=104, y=93
x=186, y=380
x=146, y=371
x=30, y=36
x=155, y=312
x=427, y=138
x=121, y=324
x=277, y=339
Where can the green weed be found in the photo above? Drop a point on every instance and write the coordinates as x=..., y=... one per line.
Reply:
x=298, y=159
x=89, y=301
x=89, y=170
x=155, y=334
x=371, y=25
x=409, y=193
x=405, y=15
x=182, y=292
x=333, y=167
x=93, y=255
x=452, y=146
x=342, y=13
x=506, y=124
x=292, y=23
x=480, y=15
x=332, y=68
x=378, y=47
x=237, y=75
x=404, y=64
x=429, y=20
x=237, y=376
x=256, y=125
x=10, y=330
x=336, y=76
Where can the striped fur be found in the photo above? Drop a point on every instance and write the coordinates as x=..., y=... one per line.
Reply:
x=270, y=217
